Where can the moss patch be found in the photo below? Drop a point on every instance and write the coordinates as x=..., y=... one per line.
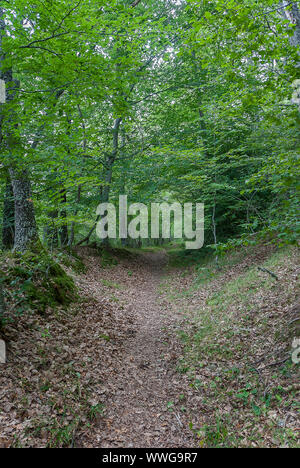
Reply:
x=72, y=260
x=35, y=281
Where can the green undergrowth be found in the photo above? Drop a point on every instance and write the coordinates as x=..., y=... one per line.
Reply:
x=108, y=255
x=179, y=257
x=207, y=269
x=34, y=282
x=108, y=258
x=237, y=351
x=205, y=259
x=124, y=253
x=238, y=291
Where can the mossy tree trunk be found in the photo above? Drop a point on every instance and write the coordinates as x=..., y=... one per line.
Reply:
x=26, y=233
x=8, y=229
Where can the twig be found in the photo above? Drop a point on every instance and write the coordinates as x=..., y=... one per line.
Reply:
x=276, y=363
x=269, y=272
x=178, y=419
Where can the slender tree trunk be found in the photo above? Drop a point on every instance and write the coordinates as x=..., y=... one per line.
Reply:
x=51, y=231
x=108, y=177
x=111, y=160
x=63, y=231
x=79, y=188
x=123, y=178
x=110, y=165
x=8, y=229
x=72, y=231
x=200, y=75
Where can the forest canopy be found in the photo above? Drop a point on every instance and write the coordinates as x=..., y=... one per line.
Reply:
x=164, y=100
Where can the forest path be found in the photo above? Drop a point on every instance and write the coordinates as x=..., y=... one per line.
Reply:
x=146, y=396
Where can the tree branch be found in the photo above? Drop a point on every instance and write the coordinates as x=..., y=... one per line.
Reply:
x=135, y=3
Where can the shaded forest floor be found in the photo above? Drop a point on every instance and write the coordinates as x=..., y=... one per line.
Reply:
x=153, y=356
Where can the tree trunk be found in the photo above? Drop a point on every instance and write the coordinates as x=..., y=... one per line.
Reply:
x=26, y=233
x=296, y=16
x=108, y=177
x=51, y=231
x=63, y=231
x=72, y=231
x=293, y=15
x=111, y=160
x=8, y=229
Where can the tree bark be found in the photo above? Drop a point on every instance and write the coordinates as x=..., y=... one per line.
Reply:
x=292, y=13
x=8, y=227
x=26, y=233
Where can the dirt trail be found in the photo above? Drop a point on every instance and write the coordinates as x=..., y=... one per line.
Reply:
x=102, y=374
x=143, y=407
x=105, y=372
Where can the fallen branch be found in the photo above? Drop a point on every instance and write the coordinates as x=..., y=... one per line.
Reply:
x=295, y=320
x=269, y=272
x=274, y=364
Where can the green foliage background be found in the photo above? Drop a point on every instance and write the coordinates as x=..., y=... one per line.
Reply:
x=204, y=90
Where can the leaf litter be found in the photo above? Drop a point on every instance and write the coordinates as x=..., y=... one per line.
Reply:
x=122, y=368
